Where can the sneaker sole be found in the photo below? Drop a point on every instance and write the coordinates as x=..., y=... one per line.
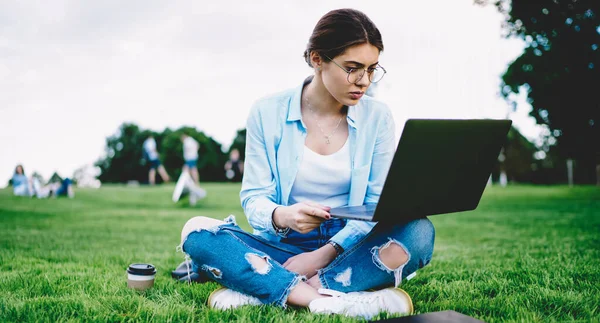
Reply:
x=214, y=293
x=403, y=293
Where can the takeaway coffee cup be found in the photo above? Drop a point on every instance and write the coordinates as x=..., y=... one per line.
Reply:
x=140, y=276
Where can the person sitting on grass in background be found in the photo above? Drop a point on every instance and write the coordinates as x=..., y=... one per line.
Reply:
x=62, y=187
x=20, y=182
x=151, y=155
x=323, y=144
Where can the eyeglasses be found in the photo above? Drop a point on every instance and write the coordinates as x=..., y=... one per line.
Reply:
x=356, y=74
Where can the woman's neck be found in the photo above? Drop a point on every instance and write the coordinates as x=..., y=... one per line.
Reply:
x=317, y=98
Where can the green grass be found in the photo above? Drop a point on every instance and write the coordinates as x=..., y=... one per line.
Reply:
x=527, y=254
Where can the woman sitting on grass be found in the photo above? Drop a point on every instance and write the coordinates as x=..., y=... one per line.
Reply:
x=321, y=145
x=20, y=182
x=23, y=186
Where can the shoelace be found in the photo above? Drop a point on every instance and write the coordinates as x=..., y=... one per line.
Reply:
x=330, y=292
x=362, y=300
x=349, y=297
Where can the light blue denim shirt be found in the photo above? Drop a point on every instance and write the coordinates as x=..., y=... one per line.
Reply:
x=275, y=136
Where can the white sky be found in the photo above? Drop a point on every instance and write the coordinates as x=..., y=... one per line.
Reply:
x=72, y=71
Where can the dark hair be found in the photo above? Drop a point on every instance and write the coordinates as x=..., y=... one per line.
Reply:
x=22, y=169
x=340, y=29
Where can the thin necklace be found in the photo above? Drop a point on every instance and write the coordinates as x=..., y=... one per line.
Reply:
x=327, y=137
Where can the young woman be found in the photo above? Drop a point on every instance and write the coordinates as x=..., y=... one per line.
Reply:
x=323, y=144
x=20, y=182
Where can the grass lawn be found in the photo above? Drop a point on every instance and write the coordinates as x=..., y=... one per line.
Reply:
x=527, y=254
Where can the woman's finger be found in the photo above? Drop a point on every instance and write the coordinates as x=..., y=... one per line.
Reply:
x=316, y=212
x=317, y=205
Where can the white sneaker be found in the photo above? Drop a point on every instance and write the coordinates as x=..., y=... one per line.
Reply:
x=225, y=298
x=363, y=304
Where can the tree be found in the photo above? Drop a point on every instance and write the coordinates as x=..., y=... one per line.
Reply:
x=124, y=155
x=124, y=160
x=239, y=143
x=560, y=71
x=55, y=178
x=519, y=153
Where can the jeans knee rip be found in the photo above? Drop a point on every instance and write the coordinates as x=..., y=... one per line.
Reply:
x=377, y=261
x=260, y=265
x=230, y=220
x=214, y=271
x=344, y=277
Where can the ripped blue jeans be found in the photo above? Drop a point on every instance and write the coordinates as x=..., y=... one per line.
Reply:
x=224, y=254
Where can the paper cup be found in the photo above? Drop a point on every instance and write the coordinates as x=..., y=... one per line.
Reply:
x=140, y=276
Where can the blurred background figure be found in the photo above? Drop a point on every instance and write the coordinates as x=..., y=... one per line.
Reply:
x=190, y=156
x=24, y=186
x=63, y=188
x=186, y=185
x=234, y=167
x=86, y=176
x=151, y=155
x=20, y=182
x=56, y=187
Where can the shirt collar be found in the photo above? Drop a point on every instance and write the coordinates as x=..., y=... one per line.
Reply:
x=295, y=114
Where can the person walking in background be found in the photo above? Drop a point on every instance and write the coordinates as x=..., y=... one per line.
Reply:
x=151, y=155
x=190, y=157
x=20, y=182
x=234, y=167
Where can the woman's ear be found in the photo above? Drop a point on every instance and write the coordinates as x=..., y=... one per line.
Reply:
x=315, y=60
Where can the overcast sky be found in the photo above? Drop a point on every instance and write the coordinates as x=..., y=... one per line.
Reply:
x=72, y=71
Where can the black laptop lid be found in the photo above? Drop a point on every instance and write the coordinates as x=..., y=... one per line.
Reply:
x=441, y=166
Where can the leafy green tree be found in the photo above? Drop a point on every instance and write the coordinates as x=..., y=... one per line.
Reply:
x=124, y=159
x=55, y=178
x=560, y=70
x=519, y=163
x=239, y=143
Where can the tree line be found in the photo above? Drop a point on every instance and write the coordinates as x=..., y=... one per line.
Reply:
x=559, y=70
x=124, y=160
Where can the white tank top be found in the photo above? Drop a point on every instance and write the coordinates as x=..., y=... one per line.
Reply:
x=324, y=179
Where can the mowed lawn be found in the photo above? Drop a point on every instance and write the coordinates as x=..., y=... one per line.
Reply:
x=527, y=254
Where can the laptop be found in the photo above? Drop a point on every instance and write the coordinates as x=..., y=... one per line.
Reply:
x=440, y=166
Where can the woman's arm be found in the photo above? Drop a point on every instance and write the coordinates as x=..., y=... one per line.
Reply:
x=260, y=195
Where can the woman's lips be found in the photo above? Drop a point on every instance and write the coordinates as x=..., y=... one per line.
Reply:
x=356, y=95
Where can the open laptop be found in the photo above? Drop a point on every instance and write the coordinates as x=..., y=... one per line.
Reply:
x=440, y=166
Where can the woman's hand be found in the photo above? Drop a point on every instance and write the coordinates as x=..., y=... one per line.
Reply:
x=308, y=263
x=301, y=217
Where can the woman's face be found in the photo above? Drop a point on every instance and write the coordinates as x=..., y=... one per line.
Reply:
x=335, y=79
x=19, y=170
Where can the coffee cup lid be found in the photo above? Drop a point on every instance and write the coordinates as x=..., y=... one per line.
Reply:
x=141, y=269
